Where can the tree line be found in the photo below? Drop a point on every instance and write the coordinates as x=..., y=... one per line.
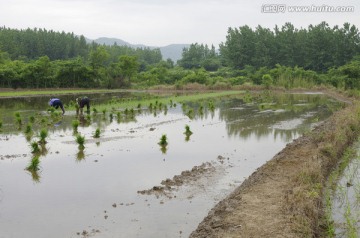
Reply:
x=285, y=56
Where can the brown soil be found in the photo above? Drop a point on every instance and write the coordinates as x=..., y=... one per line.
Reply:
x=188, y=177
x=283, y=198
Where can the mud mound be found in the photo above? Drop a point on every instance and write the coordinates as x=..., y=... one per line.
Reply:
x=187, y=177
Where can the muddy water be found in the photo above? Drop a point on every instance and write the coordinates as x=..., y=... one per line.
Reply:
x=97, y=192
x=346, y=200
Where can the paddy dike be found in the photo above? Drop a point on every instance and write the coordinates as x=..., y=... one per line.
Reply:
x=283, y=198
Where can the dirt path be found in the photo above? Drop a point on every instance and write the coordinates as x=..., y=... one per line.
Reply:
x=283, y=198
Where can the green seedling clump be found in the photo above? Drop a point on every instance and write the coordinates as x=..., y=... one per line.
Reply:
x=163, y=140
x=43, y=134
x=31, y=119
x=28, y=129
x=35, y=147
x=187, y=130
x=75, y=124
x=34, y=164
x=97, y=133
x=81, y=141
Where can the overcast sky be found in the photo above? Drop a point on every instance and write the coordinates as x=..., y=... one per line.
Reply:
x=163, y=22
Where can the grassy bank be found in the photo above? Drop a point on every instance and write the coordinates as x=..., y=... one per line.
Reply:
x=332, y=139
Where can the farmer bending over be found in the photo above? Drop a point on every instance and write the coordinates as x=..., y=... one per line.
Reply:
x=80, y=104
x=55, y=102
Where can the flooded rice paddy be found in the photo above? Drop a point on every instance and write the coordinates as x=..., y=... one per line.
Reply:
x=124, y=184
x=346, y=198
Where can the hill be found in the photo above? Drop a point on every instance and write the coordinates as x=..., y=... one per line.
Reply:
x=173, y=51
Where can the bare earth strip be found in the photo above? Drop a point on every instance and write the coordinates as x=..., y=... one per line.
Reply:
x=283, y=198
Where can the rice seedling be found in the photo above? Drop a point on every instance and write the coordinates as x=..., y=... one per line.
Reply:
x=1, y=125
x=17, y=114
x=187, y=130
x=201, y=110
x=163, y=140
x=31, y=119
x=43, y=134
x=150, y=106
x=95, y=110
x=51, y=109
x=104, y=111
x=34, y=164
x=44, y=120
x=88, y=118
x=97, y=133
x=211, y=106
x=126, y=111
x=81, y=141
x=35, y=147
x=118, y=116
x=139, y=106
x=75, y=124
x=190, y=113
x=111, y=117
x=19, y=121
x=28, y=129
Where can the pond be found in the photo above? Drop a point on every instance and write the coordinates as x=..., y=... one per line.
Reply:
x=124, y=184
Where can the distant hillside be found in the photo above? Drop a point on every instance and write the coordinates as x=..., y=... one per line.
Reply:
x=173, y=51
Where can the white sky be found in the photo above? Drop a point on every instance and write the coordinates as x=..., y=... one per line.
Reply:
x=163, y=22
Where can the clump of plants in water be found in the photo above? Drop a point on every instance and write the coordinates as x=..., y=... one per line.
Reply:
x=1, y=124
x=95, y=110
x=35, y=147
x=34, y=164
x=28, y=129
x=80, y=140
x=43, y=135
x=118, y=116
x=18, y=119
x=75, y=124
x=97, y=133
x=211, y=106
x=31, y=119
x=163, y=143
x=187, y=132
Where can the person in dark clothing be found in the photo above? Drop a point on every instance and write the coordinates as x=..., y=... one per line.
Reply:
x=80, y=104
x=55, y=102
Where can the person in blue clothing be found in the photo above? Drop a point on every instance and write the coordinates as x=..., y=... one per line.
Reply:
x=55, y=102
